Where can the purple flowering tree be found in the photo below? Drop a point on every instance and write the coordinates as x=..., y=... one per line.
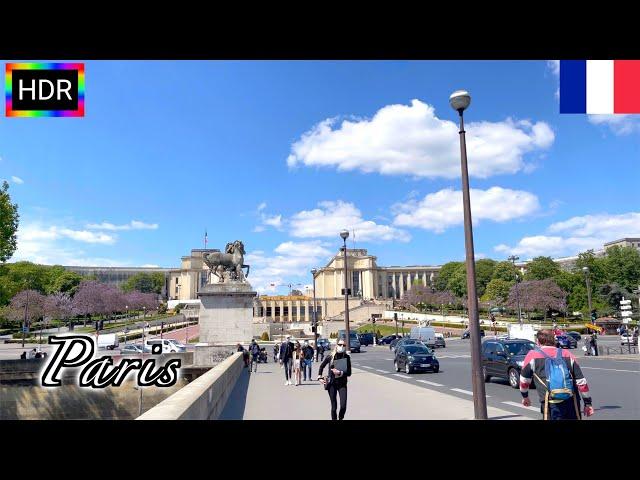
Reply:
x=538, y=295
x=26, y=302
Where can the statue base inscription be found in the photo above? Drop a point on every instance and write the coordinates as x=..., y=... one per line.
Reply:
x=226, y=313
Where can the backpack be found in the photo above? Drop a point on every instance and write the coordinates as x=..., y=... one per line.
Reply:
x=255, y=349
x=559, y=382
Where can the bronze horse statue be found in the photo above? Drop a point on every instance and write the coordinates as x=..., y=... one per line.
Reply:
x=232, y=261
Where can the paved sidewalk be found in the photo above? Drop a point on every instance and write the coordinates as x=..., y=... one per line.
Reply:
x=263, y=396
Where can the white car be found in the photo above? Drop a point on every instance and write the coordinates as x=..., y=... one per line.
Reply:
x=627, y=338
x=169, y=345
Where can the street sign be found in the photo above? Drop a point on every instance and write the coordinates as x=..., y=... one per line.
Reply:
x=25, y=329
x=348, y=291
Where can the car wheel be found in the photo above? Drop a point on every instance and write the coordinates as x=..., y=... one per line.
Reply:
x=484, y=374
x=514, y=378
x=407, y=368
x=436, y=369
x=395, y=364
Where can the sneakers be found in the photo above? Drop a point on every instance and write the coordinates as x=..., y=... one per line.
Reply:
x=286, y=382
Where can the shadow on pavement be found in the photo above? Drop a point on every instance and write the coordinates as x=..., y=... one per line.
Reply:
x=607, y=407
x=234, y=409
x=502, y=417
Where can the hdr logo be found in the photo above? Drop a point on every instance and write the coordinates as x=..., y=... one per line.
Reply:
x=44, y=89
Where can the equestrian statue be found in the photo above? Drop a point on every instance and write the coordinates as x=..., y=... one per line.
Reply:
x=229, y=264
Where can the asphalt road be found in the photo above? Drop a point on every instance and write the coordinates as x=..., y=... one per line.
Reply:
x=614, y=384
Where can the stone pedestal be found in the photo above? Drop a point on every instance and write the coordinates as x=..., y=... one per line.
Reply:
x=226, y=313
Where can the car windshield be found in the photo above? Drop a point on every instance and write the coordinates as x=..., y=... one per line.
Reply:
x=518, y=348
x=413, y=349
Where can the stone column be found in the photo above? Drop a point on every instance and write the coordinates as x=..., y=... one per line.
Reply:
x=401, y=284
x=408, y=281
x=424, y=278
x=393, y=284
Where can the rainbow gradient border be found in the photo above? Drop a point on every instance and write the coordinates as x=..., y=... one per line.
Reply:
x=10, y=67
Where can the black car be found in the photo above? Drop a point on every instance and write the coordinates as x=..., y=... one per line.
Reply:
x=566, y=341
x=365, y=338
x=402, y=341
x=388, y=339
x=467, y=334
x=575, y=335
x=416, y=357
x=503, y=357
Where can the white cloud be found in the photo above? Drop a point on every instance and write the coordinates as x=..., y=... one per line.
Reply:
x=625, y=224
x=132, y=225
x=331, y=217
x=49, y=244
x=17, y=180
x=36, y=232
x=620, y=124
x=262, y=206
x=554, y=66
x=411, y=140
x=258, y=229
x=576, y=235
x=274, y=221
x=443, y=209
x=291, y=260
x=150, y=265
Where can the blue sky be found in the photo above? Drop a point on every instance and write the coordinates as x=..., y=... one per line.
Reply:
x=282, y=155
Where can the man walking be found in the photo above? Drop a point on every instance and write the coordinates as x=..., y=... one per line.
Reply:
x=254, y=349
x=307, y=352
x=558, y=379
x=320, y=352
x=286, y=353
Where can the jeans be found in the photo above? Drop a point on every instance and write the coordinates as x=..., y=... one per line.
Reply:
x=288, y=364
x=307, y=366
x=333, y=394
x=254, y=360
x=563, y=411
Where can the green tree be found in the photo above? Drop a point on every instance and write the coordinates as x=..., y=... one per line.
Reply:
x=506, y=271
x=541, y=268
x=458, y=281
x=497, y=291
x=8, y=224
x=441, y=282
x=622, y=266
x=145, y=283
x=596, y=266
x=62, y=280
x=484, y=273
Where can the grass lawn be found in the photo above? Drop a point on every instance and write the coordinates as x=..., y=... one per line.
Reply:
x=383, y=329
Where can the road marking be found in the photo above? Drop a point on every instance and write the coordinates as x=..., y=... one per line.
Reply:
x=516, y=404
x=366, y=366
x=612, y=369
x=467, y=392
x=382, y=371
x=431, y=383
x=400, y=375
x=454, y=356
x=389, y=359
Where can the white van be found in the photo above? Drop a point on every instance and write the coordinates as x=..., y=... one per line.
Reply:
x=169, y=345
x=426, y=335
x=108, y=341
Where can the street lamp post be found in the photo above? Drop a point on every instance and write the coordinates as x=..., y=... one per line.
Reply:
x=459, y=101
x=513, y=259
x=588, y=280
x=345, y=234
x=314, y=318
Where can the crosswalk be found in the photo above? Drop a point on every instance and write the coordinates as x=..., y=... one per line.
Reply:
x=454, y=356
x=435, y=384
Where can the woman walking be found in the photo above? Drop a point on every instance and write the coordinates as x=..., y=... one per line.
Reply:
x=297, y=363
x=339, y=366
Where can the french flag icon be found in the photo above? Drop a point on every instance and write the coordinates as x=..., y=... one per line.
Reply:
x=600, y=86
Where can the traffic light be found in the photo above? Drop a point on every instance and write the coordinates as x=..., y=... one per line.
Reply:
x=594, y=315
x=101, y=324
